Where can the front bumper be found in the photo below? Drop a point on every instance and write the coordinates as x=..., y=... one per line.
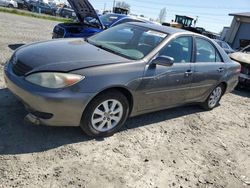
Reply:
x=244, y=80
x=58, y=32
x=62, y=107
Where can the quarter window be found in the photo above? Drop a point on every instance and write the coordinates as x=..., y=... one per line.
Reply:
x=180, y=49
x=206, y=52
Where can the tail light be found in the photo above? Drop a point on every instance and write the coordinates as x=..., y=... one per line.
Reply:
x=239, y=70
x=245, y=70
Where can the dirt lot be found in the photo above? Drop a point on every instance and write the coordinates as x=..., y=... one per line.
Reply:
x=181, y=147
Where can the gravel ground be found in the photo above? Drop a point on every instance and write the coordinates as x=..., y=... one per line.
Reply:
x=181, y=147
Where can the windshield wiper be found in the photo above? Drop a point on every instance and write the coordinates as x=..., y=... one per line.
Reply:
x=108, y=49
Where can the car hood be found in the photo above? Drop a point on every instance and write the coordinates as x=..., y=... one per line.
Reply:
x=240, y=57
x=84, y=9
x=63, y=55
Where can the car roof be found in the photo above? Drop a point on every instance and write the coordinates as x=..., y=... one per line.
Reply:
x=118, y=15
x=160, y=28
x=124, y=16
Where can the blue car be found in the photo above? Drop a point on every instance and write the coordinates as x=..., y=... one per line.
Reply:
x=89, y=23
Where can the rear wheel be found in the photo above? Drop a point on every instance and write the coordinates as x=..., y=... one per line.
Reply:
x=214, y=97
x=105, y=114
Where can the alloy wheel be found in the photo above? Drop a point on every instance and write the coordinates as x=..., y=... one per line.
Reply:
x=107, y=115
x=215, y=97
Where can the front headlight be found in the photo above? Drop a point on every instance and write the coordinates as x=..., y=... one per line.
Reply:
x=54, y=80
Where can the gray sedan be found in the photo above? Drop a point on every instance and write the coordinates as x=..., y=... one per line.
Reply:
x=128, y=70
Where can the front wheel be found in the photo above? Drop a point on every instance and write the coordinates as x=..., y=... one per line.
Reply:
x=214, y=97
x=105, y=114
x=10, y=6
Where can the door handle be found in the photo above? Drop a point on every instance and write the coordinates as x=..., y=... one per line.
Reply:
x=220, y=69
x=188, y=73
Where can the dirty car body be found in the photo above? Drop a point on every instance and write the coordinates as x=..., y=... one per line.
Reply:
x=243, y=57
x=151, y=68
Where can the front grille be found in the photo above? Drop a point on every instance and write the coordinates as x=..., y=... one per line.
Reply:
x=58, y=32
x=20, y=69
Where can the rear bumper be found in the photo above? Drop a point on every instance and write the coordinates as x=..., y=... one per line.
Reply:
x=54, y=108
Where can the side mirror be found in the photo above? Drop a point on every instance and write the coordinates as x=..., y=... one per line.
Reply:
x=163, y=61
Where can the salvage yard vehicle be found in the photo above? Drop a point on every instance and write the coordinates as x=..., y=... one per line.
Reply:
x=41, y=7
x=243, y=57
x=99, y=82
x=89, y=23
x=66, y=12
x=9, y=3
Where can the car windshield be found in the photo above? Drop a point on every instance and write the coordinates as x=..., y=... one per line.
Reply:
x=127, y=40
x=109, y=19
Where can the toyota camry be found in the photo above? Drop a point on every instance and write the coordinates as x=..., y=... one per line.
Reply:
x=127, y=70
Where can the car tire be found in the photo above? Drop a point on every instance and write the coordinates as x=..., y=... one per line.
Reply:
x=10, y=6
x=214, y=97
x=105, y=114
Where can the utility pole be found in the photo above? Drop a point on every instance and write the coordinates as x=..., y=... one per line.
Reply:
x=104, y=7
x=113, y=5
x=196, y=20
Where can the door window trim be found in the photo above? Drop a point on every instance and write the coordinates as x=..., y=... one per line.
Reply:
x=216, y=50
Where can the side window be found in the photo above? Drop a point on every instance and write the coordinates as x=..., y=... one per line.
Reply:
x=206, y=52
x=180, y=49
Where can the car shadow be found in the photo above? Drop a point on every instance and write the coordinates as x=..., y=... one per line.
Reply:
x=15, y=46
x=18, y=137
x=242, y=92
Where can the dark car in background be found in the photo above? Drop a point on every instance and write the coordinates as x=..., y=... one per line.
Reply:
x=41, y=7
x=21, y=4
x=225, y=46
x=243, y=57
x=97, y=83
x=66, y=12
x=89, y=23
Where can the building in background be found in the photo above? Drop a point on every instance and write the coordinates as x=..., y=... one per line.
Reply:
x=238, y=35
x=224, y=32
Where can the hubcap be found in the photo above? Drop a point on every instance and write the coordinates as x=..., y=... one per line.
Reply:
x=107, y=115
x=214, y=97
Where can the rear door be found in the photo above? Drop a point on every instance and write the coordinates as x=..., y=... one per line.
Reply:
x=209, y=68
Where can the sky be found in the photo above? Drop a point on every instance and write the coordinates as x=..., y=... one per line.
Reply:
x=212, y=15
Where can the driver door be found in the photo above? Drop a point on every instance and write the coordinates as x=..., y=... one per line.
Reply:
x=164, y=86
